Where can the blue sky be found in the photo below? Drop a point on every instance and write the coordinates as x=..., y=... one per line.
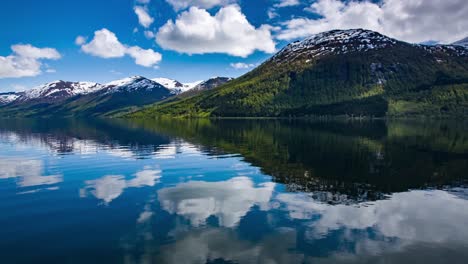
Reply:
x=190, y=40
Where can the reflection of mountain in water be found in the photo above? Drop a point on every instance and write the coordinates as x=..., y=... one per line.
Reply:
x=337, y=162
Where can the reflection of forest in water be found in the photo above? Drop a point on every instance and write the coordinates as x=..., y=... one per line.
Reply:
x=336, y=161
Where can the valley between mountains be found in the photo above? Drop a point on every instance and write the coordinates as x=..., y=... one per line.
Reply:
x=336, y=73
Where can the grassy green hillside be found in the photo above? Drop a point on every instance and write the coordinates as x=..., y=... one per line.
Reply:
x=399, y=80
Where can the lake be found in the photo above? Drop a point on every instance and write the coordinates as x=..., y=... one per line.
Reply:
x=233, y=191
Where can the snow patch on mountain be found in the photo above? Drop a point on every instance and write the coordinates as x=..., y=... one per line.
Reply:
x=133, y=83
x=60, y=89
x=6, y=98
x=175, y=86
x=336, y=42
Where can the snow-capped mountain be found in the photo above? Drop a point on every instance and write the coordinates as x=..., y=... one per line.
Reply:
x=341, y=42
x=62, y=98
x=134, y=83
x=335, y=42
x=59, y=90
x=462, y=42
x=175, y=86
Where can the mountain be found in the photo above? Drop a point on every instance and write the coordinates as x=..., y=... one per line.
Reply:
x=206, y=85
x=62, y=98
x=58, y=91
x=463, y=42
x=340, y=72
x=6, y=98
x=176, y=87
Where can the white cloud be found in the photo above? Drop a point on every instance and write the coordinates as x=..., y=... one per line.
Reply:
x=29, y=51
x=144, y=57
x=409, y=20
x=143, y=17
x=80, y=40
x=25, y=61
x=143, y=1
x=197, y=32
x=105, y=44
x=284, y=3
x=242, y=65
x=183, y=4
x=228, y=200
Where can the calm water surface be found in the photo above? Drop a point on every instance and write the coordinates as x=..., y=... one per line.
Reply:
x=234, y=191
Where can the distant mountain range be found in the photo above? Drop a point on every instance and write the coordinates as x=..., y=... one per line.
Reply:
x=63, y=98
x=340, y=72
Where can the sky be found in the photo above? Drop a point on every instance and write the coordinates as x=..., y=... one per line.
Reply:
x=190, y=40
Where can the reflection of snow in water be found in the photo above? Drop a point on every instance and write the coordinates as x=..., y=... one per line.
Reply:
x=28, y=171
x=228, y=200
x=426, y=216
x=110, y=187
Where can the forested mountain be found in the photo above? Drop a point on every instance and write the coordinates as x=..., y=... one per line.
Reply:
x=340, y=72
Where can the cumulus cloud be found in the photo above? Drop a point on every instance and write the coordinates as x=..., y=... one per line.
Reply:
x=143, y=1
x=183, y=4
x=197, y=32
x=146, y=58
x=242, y=65
x=409, y=20
x=25, y=61
x=143, y=17
x=105, y=44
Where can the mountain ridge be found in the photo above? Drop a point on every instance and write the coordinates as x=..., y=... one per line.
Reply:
x=340, y=72
x=65, y=98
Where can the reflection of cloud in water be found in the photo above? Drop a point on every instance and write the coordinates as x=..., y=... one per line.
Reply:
x=207, y=245
x=166, y=152
x=228, y=200
x=110, y=187
x=424, y=216
x=170, y=151
x=28, y=171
